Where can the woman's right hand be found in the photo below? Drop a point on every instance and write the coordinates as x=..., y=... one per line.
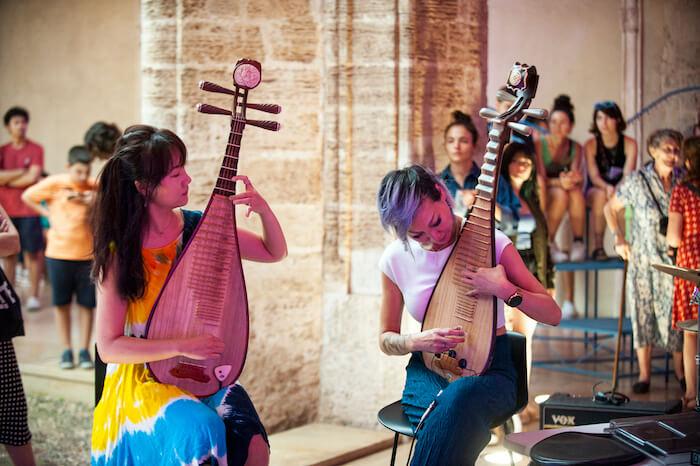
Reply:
x=202, y=347
x=437, y=340
x=622, y=248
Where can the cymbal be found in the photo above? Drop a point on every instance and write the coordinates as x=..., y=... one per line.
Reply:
x=681, y=272
x=688, y=325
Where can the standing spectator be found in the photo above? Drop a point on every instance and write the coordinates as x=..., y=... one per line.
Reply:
x=68, y=198
x=684, y=234
x=21, y=164
x=14, y=431
x=101, y=138
x=649, y=292
x=610, y=155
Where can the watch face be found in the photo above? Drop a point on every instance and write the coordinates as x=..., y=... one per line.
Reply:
x=515, y=300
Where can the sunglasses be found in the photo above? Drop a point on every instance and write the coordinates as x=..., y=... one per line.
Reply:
x=605, y=105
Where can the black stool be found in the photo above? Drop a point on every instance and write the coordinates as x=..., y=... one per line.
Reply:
x=393, y=418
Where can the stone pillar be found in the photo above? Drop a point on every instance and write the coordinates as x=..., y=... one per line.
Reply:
x=632, y=68
x=393, y=73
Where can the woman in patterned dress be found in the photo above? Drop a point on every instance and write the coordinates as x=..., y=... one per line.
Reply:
x=684, y=234
x=648, y=291
x=139, y=231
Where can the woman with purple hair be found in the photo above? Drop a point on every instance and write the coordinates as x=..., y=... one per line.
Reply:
x=415, y=206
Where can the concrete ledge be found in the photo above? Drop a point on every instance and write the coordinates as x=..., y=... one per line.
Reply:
x=326, y=445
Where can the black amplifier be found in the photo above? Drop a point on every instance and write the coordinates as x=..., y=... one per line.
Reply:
x=562, y=410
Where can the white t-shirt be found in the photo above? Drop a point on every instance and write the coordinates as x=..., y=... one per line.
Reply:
x=416, y=270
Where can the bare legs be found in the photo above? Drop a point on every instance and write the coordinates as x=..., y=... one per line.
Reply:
x=597, y=199
x=34, y=262
x=63, y=325
x=258, y=452
x=21, y=455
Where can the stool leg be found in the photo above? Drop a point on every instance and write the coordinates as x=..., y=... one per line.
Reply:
x=507, y=429
x=393, y=450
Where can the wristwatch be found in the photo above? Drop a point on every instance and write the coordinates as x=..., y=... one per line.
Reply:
x=514, y=300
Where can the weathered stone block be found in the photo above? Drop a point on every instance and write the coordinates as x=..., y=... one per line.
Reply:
x=158, y=9
x=158, y=43
x=294, y=40
x=212, y=9
x=278, y=9
x=206, y=43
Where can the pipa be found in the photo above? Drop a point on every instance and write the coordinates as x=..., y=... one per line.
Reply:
x=205, y=290
x=449, y=305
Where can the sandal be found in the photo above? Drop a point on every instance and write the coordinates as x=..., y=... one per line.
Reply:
x=599, y=254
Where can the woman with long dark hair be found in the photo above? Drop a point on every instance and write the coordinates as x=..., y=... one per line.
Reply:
x=139, y=230
x=610, y=155
x=530, y=238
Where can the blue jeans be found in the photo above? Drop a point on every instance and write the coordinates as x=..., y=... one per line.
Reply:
x=458, y=428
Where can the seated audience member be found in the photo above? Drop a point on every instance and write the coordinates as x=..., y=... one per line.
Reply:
x=610, y=155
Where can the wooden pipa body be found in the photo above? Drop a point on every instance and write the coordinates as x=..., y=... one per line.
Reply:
x=449, y=305
x=205, y=293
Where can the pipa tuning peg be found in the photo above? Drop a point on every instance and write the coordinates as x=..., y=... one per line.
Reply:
x=206, y=108
x=525, y=130
x=269, y=108
x=211, y=87
x=265, y=124
x=488, y=113
x=538, y=113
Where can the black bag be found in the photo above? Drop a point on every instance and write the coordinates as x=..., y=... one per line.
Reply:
x=663, y=223
x=11, y=324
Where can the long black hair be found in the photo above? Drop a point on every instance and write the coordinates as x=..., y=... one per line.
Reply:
x=143, y=154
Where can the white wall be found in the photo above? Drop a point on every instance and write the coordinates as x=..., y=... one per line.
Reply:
x=70, y=63
x=576, y=46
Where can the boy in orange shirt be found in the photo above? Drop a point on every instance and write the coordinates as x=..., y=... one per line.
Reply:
x=68, y=199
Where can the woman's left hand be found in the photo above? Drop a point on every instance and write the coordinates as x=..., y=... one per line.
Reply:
x=487, y=281
x=249, y=197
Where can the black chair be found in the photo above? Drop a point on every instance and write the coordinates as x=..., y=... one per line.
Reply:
x=393, y=418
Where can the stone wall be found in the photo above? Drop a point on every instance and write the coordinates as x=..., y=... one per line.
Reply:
x=671, y=47
x=393, y=72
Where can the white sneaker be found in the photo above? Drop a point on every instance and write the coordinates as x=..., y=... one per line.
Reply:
x=556, y=254
x=33, y=303
x=568, y=310
x=578, y=251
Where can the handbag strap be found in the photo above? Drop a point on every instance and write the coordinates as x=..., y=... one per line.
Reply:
x=652, y=194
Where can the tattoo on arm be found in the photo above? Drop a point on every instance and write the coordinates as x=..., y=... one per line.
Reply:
x=395, y=344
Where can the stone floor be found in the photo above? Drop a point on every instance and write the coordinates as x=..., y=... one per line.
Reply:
x=60, y=404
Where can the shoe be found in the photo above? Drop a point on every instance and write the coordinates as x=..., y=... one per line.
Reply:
x=556, y=254
x=578, y=251
x=640, y=387
x=33, y=303
x=599, y=254
x=568, y=311
x=67, y=360
x=84, y=359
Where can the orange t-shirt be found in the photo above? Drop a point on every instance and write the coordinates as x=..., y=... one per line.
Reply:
x=69, y=236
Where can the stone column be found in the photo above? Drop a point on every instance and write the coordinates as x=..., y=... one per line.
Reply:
x=632, y=68
x=393, y=73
